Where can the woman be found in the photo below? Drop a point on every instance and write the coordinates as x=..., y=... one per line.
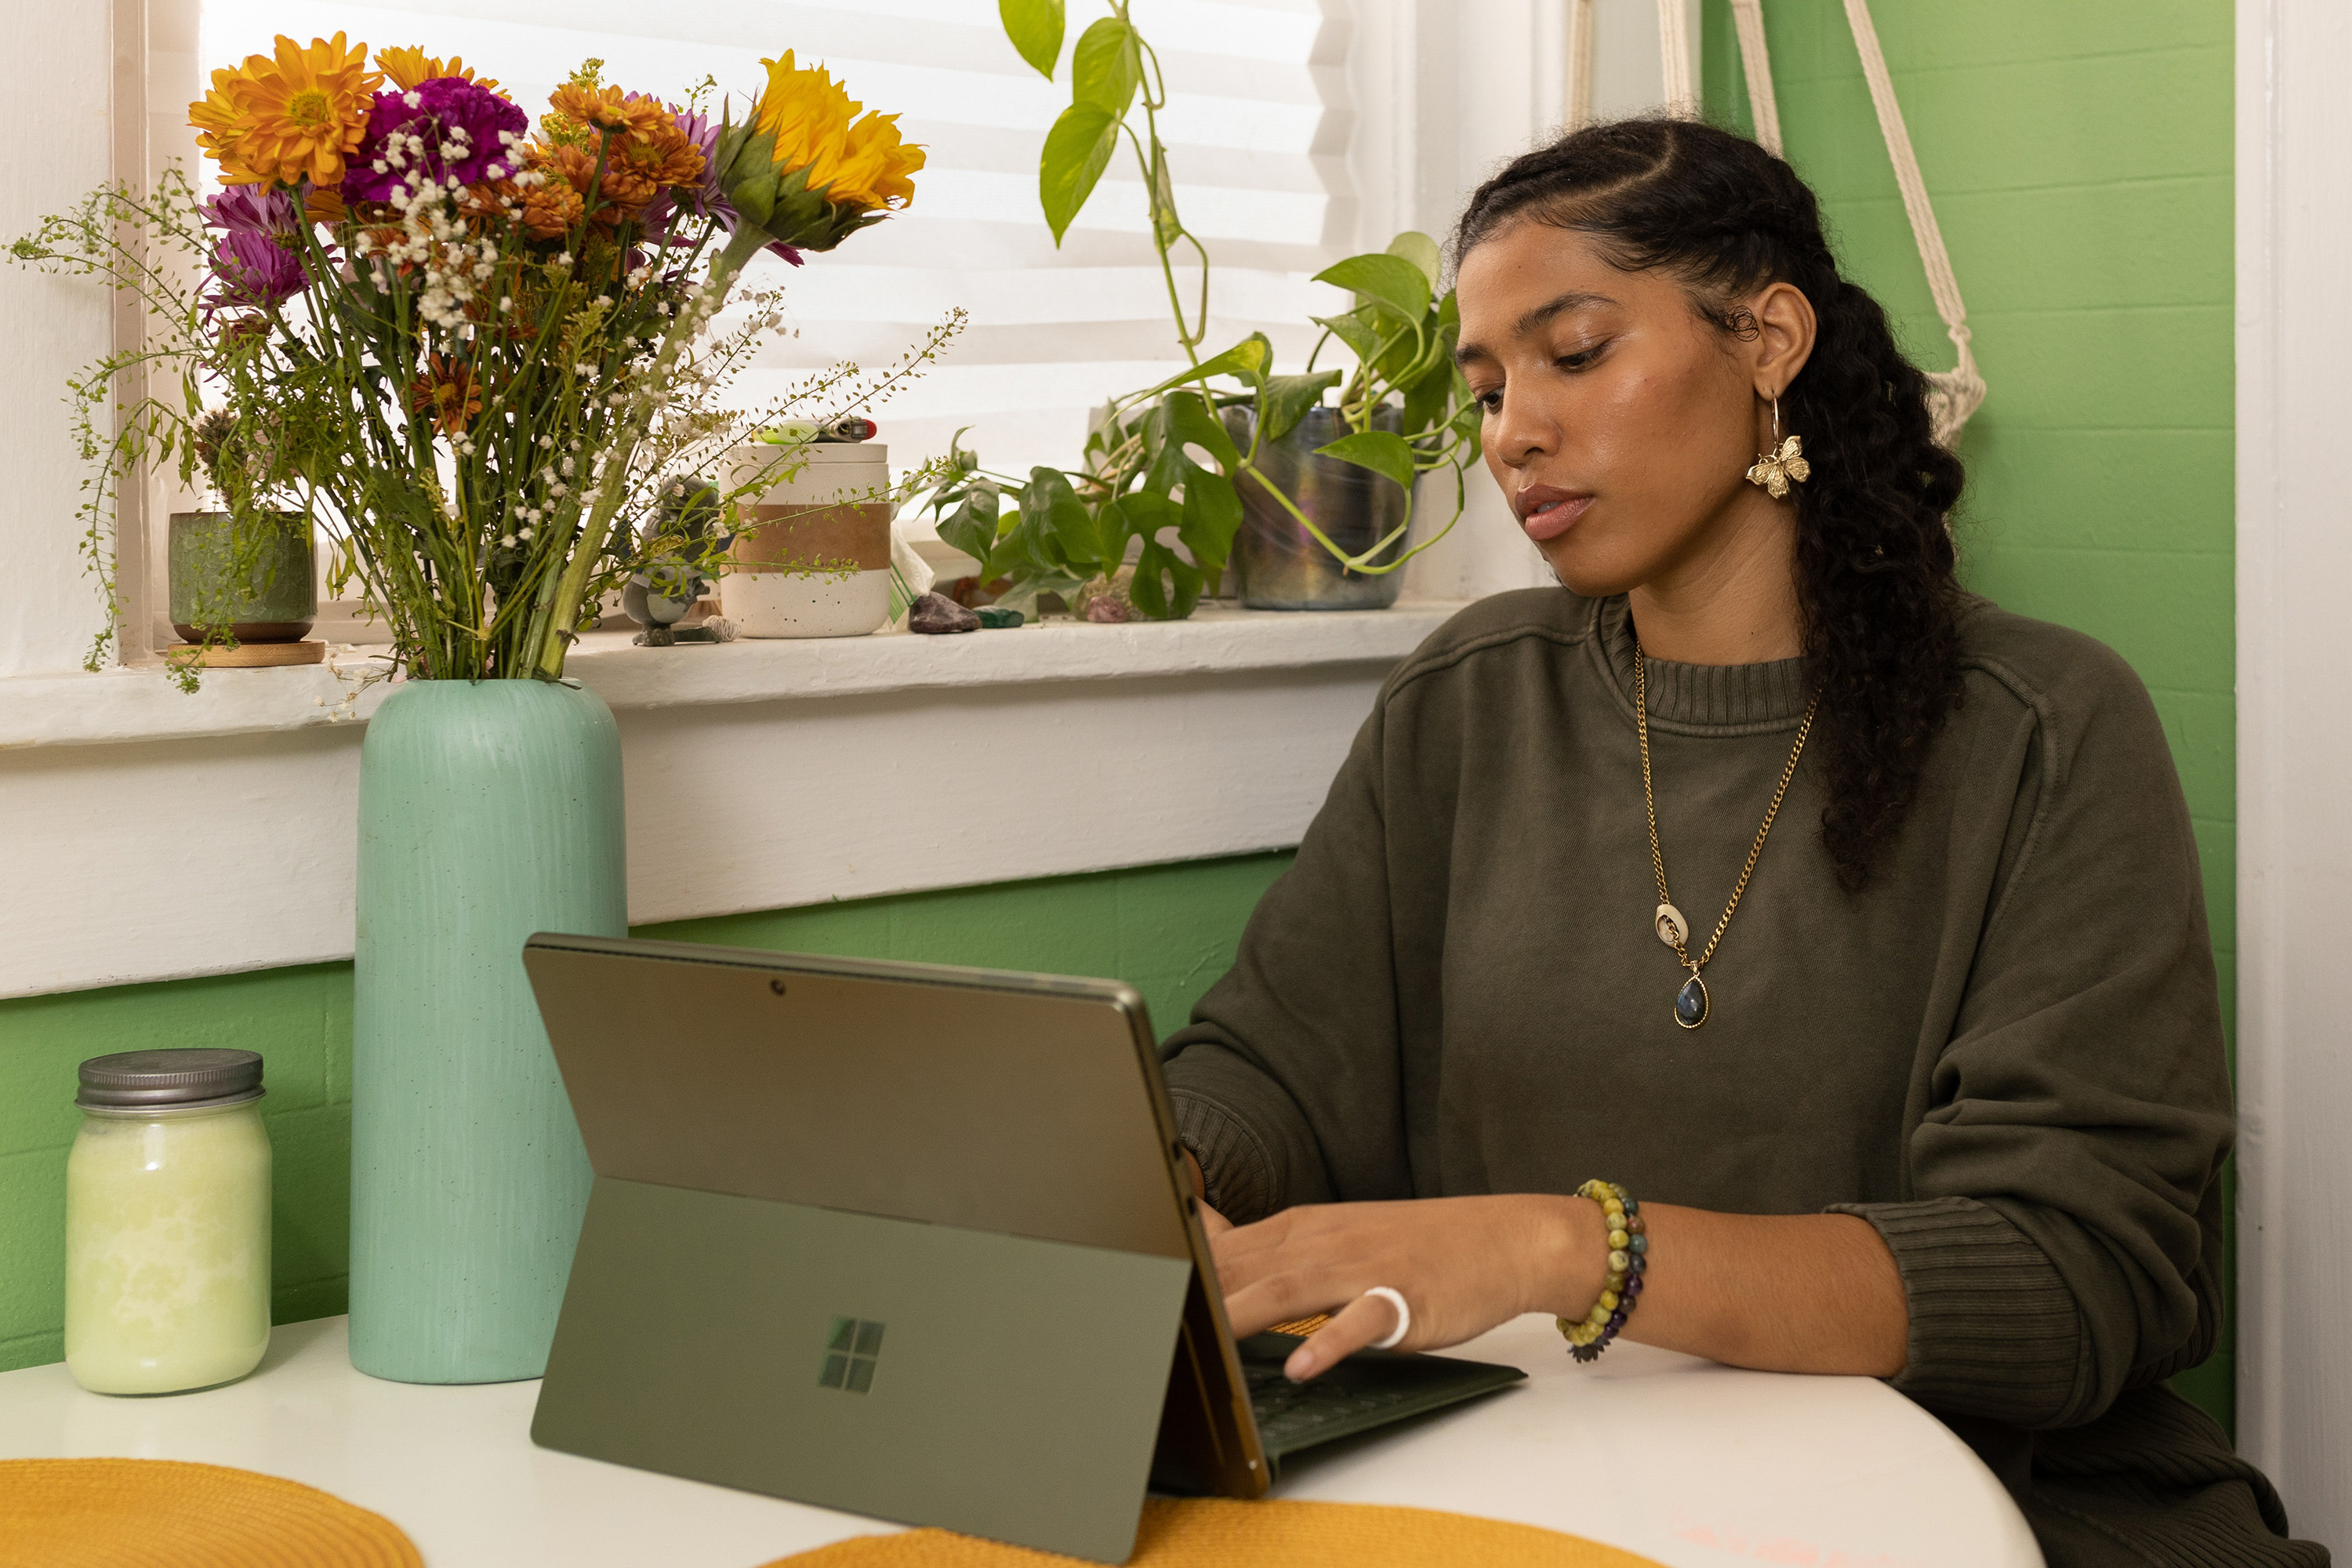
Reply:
x=1933, y=1090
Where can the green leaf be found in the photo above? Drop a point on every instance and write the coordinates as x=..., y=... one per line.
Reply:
x=973, y=526
x=1060, y=531
x=1288, y=397
x=1146, y=512
x=1212, y=515
x=1378, y=450
x=1421, y=251
x=1390, y=281
x=1356, y=329
x=1165, y=469
x=1157, y=570
x=1107, y=67
x=1248, y=359
x=1139, y=514
x=1426, y=399
x=1077, y=150
x=1035, y=28
x=1190, y=423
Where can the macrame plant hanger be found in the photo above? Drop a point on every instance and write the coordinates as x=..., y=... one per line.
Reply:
x=1952, y=395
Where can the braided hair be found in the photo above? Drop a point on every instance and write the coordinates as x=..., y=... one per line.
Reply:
x=1878, y=599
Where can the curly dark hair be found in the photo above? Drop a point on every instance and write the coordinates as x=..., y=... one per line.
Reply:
x=1874, y=560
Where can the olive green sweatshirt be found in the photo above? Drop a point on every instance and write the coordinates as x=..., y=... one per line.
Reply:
x=2005, y=1052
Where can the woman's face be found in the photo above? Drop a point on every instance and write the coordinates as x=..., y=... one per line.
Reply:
x=1619, y=423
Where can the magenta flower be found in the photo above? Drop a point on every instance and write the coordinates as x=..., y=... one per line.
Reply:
x=255, y=264
x=442, y=130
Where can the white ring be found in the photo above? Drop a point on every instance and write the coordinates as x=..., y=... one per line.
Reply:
x=1404, y=1318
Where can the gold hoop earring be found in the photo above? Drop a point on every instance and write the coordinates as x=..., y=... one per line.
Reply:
x=1781, y=463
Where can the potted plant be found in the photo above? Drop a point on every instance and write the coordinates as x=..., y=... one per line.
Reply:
x=243, y=584
x=1139, y=491
x=481, y=344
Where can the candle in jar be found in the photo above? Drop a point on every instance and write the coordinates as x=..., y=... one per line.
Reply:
x=167, y=1223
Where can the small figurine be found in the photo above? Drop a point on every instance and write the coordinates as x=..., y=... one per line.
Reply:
x=678, y=542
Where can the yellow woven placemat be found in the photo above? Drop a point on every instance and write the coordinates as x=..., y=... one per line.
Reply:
x=161, y=1513
x=1220, y=1532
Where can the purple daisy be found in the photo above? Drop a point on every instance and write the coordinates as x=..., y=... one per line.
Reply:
x=703, y=201
x=442, y=130
x=255, y=264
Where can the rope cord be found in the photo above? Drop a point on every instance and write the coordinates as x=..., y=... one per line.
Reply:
x=1952, y=395
x=1757, y=65
x=1580, y=62
x=1674, y=60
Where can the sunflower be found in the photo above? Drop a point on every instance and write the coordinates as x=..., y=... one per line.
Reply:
x=296, y=117
x=411, y=67
x=804, y=169
x=860, y=164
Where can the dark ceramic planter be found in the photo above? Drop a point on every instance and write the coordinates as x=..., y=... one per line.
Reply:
x=1280, y=564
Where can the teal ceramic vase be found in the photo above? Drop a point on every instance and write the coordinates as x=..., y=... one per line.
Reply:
x=488, y=810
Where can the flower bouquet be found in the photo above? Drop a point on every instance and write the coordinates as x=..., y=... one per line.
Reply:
x=482, y=352
x=474, y=347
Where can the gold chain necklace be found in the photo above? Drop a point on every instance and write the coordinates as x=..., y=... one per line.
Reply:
x=1691, y=1003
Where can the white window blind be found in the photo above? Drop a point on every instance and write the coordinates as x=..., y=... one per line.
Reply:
x=1254, y=124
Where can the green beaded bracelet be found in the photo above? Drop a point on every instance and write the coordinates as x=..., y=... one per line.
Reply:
x=1628, y=1247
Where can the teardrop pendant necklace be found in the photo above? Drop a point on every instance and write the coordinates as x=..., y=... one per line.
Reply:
x=1691, y=1003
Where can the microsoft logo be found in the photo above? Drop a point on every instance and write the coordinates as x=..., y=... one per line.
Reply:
x=850, y=1350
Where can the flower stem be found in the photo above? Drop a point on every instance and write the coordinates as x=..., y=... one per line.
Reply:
x=743, y=245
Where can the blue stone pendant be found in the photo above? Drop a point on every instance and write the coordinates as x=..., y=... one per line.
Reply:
x=1690, y=1003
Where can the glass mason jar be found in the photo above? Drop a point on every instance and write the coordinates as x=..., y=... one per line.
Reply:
x=167, y=1223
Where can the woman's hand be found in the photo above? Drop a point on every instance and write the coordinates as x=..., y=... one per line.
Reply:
x=1463, y=1265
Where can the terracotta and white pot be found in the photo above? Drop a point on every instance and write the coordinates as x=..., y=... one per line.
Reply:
x=814, y=556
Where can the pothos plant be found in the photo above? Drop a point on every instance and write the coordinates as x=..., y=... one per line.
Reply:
x=1139, y=479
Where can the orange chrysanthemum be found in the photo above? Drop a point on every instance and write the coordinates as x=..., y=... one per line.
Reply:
x=636, y=167
x=220, y=124
x=608, y=108
x=552, y=203
x=324, y=203
x=856, y=162
x=410, y=66
x=288, y=119
x=447, y=394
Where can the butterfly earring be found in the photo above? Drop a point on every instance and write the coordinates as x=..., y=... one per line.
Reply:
x=1782, y=463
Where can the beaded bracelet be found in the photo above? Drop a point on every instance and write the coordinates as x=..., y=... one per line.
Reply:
x=1628, y=1256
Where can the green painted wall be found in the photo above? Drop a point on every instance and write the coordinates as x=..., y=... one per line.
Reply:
x=1169, y=930
x=2079, y=156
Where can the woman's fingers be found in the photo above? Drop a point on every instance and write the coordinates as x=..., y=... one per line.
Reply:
x=1366, y=1320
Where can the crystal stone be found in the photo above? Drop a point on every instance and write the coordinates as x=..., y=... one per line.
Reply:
x=1690, y=1003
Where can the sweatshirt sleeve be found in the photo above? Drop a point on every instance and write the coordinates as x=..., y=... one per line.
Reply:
x=2057, y=1245
x=1285, y=1084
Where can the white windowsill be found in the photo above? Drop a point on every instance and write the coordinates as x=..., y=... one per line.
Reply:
x=138, y=705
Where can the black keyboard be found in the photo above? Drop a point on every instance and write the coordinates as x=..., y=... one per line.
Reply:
x=1369, y=1389
x=1290, y=1413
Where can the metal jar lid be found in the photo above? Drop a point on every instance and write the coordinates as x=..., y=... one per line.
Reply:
x=169, y=1080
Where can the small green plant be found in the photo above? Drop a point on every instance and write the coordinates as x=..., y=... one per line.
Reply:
x=1139, y=479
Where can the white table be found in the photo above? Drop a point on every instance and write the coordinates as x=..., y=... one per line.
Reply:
x=1695, y=1464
